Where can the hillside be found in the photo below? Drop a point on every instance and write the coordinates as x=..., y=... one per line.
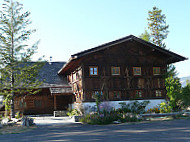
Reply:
x=184, y=79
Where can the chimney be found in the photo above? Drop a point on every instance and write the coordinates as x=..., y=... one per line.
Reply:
x=50, y=60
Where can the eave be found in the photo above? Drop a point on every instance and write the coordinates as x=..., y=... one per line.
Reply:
x=76, y=59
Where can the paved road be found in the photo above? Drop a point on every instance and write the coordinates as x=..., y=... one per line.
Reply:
x=167, y=131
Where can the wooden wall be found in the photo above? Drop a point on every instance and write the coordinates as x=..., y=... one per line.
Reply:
x=43, y=102
x=75, y=79
x=123, y=86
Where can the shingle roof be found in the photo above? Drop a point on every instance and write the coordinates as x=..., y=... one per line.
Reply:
x=49, y=75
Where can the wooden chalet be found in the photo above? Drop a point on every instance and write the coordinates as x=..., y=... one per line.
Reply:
x=125, y=69
x=55, y=93
x=122, y=70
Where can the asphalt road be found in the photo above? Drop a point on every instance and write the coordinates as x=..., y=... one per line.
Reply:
x=164, y=131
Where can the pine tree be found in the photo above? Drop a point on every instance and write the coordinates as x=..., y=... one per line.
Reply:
x=145, y=36
x=18, y=73
x=157, y=26
x=159, y=32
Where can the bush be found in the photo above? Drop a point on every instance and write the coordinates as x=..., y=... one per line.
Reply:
x=18, y=115
x=106, y=117
x=165, y=108
x=73, y=112
x=99, y=118
x=173, y=87
x=105, y=107
x=129, y=117
x=154, y=109
x=106, y=114
x=1, y=117
x=134, y=107
x=185, y=97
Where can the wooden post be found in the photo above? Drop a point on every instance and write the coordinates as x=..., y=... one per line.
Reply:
x=55, y=104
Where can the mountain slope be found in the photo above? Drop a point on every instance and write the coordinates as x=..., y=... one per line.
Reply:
x=183, y=80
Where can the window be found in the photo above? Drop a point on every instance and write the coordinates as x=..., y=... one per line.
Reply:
x=136, y=70
x=156, y=70
x=158, y=93
x=115, y=70
x=93, y=70
x=95, y=94
x=138, y=94
x=117, y=95
x=22, y=103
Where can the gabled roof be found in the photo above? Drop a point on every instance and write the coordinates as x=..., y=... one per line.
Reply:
x=48, y=74
x=75, y=58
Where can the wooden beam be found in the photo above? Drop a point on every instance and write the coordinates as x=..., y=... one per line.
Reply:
x=55, y=104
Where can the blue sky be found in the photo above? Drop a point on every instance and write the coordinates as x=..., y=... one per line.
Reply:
x=65, y=27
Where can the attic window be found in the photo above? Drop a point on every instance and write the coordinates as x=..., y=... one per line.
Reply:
x=93, y=70
x=156, y=70
x=136, y=70
x=115, y=70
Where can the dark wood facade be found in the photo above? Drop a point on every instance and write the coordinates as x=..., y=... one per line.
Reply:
x=43, y=102
x=55, y=94
x=125, y=55
x=125, y=85
x=126, y=69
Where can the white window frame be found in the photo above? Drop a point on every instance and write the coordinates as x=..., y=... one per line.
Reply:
x=93, y=70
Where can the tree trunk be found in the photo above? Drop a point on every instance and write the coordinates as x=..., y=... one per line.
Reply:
x=12, y=60
x=6, y=109
x=12, y=106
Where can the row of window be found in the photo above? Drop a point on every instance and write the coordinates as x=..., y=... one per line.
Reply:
x=93, y=70
x=138, y=94
x=158, y=93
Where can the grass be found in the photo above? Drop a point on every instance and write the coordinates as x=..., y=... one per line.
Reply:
x=15, y=129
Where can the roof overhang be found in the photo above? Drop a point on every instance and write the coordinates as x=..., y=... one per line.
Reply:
x=61, y=90
x=76, y=58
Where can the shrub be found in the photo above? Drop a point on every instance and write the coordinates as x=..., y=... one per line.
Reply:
x=165, y=107
x=97, y=97
x=73, y=112
x=129, y=117
x=105, y=106
x=134, y=107
x=106, y=117
x=185, y=97
x=18, y=115
x=98, y=119
x=1, y=116
x=173, y=87
x=154, y=109
x=125, y=108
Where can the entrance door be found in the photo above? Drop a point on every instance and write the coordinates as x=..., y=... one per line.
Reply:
x=62, y=102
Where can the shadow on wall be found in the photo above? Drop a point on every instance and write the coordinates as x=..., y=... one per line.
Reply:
x=91, y=106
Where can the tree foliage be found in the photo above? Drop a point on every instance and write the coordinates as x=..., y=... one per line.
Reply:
x=18, y=73
x=158, y=32
x=157, y=26
x=185, y=98
x=145, y=36
x=173, y=87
